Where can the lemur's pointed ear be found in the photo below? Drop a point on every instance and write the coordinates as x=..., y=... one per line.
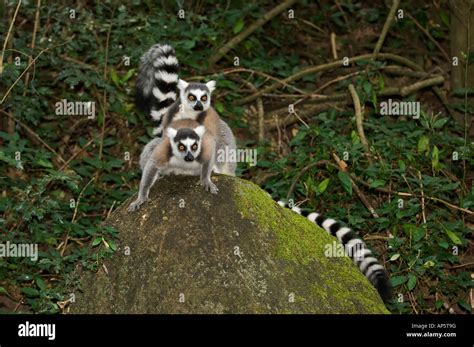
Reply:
x=171, y=133
x=211, y=85
x=200, y=130
x=182, y=84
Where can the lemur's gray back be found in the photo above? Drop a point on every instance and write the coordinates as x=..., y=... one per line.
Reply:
x=157, y=83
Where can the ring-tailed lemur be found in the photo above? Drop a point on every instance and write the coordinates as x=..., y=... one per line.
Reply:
x=157, y=93
x=187, y=149
x=355, y=247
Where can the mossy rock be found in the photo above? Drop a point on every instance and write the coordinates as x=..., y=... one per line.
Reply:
x=234, y=252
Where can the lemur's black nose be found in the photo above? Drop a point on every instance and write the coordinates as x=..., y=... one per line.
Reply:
x=198, y=106
x=189, y=157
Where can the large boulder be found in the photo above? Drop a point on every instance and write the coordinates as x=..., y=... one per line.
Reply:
x=189, y=251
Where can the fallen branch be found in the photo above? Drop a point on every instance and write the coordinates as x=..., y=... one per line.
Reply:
x=404, y=91
x=362, y=197
x=303, y=171
x=394, y=192
x=334, y=46
x=255, y=72
x=386, y=27
x=33, y=43
x=428, y=35
x=34, y=136
x=340, y=167
x=319, y=103
x=28, y=67
x=260, y=109
x=78, y=62
x=244, y=34
x=400, y=71
x=10, y=28
x=291, y=118
x=104, y=100
x=366, y=184
x=327, y=66
x=64, y=243
x=359, y=117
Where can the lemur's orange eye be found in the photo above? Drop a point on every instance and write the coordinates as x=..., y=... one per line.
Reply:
x=204, y=98
x=194, y=147
x=191, y=97
x=181, y=147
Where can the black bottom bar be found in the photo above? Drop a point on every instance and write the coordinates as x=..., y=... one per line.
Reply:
x=395, y=330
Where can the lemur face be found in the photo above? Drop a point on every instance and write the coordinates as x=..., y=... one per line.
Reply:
x=196, y=96
x=186, y=142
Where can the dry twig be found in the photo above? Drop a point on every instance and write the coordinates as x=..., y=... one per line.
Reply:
x=247, y=32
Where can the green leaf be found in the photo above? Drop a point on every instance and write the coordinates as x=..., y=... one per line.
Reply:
x=440, y=123
x=418, y=234
x=444, y=17
x=3, y=290
x=355, y=137
x=401, y=165
x=381, y=83
x=439, y=304
x=219, y=107
x=423, y=144
x=411, y=282
x=40, y=283
x=323, y=185
x=112, y=245
x=455, y=238
x=414, y=231
x=97, y=241
x=239, y=25
x=346, y=181
x=44, y=163
x=395, y=257
x=28, y=291
x=443, y=244
x=367, y=86
x=398, y=280
x=128, y=75
x=435, y=158
x=115, y=78
x=9, y=159
x=429, y=264
x=377, y=183
x=465, y=305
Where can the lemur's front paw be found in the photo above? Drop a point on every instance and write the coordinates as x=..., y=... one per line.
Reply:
x=209, y=186
x=136, y=204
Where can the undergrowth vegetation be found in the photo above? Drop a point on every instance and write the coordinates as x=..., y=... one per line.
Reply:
x=62, y=175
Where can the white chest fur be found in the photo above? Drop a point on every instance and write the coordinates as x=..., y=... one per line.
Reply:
x=180, y=167
x=186, y=114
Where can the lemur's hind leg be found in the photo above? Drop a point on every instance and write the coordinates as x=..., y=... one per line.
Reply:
x=229, y=168
x=208, y=153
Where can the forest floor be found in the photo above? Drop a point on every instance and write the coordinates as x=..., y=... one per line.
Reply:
x=307, y=89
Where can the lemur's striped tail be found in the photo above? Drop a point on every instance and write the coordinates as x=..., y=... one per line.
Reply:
x=157, y=82
x=355, y=248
